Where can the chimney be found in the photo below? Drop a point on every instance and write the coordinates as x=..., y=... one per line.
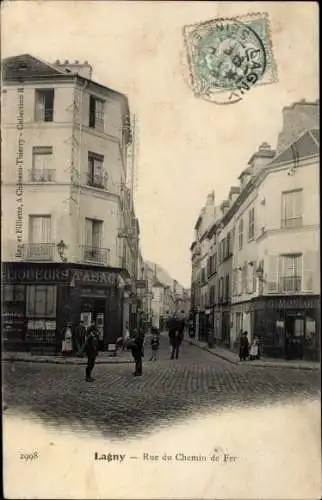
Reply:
x=83, y=69
x=297, y=118
x=224, y=206
x=258, y=160
x=233, y=194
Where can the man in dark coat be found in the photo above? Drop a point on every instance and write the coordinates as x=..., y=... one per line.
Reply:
x=91, y=349
x=243, y=347
x=138, y=353
x=175, y=335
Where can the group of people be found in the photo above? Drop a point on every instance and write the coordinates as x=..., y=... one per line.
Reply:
x=246, y=350
x=87, y=341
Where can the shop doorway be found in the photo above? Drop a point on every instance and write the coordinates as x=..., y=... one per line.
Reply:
x=93, y=309
x=294, y=335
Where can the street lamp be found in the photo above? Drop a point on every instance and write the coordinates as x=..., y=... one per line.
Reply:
x=260, y=272
x=61, y=247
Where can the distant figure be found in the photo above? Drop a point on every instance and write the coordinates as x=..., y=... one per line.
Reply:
x=126, y=337
x=243, y=347
x=138, y=353
x=91, y=349
x=176, y=330
x=155, y=343
x=254, y=349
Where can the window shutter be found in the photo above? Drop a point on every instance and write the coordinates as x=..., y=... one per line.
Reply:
x=297, y=204
x=88, y=232
x=46, y=229
x=272, y=277
x=310, y=271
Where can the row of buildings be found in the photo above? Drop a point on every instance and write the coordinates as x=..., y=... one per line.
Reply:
x=255, y=256
x=70, y=234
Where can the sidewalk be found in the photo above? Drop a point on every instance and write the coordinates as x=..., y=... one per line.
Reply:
x=102, y=358
x=233, y=358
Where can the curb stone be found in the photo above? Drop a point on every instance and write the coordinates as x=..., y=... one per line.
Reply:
x=63, y=361
x=254, y=364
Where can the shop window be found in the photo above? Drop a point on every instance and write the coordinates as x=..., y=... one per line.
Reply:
x=41, y=301
x=310, y=331
x=13, y=293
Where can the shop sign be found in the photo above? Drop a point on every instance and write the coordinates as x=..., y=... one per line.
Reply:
x=141, y=284
x=35, y=275
x=295, y=303
x=94, y=277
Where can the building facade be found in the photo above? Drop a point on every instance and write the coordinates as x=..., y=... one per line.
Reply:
x=264, y=259
x=70, y=236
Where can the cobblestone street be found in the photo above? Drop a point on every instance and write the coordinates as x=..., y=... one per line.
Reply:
x=118, y=404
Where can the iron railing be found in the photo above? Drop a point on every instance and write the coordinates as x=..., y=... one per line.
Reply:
x=97, y=180
x=42, y=175
x=44, y=115
x=95, y=255
x=38, y=251
x=290, y=283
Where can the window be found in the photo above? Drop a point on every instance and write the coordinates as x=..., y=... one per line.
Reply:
x=96, y=175
x=44, y=105
x=39, y=228
x=42, y=159
x=13, y=293
x=228, y=245
x=96, y=113
x=227, y=290
x=39, y=245
x=290, y=275
x=292, y=208
x=93, y=233
x=251, y=223
x=41, y=301
x=240, y=234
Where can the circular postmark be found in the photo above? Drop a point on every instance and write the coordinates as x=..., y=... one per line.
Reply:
x=226, y=58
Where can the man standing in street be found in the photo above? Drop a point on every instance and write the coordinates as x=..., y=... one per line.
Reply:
x=91, y=349
x=176, y=328
x=138, y=353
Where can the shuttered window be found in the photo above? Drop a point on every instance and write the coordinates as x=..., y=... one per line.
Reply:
x=292, y=214
x=290, y=273
x=39, y=228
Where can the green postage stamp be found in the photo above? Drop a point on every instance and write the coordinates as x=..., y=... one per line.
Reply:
x=227, y=57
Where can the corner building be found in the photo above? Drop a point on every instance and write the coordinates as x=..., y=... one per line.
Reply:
x=70, y=236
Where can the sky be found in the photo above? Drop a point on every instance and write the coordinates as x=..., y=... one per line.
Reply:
x=187, y=147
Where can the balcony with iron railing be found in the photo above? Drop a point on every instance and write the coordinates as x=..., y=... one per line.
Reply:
x=292, y=222
x=97, y=180
x=44, y=115
x=42, y=175
x=38, y=251
x=290, y=284
x=95, y=255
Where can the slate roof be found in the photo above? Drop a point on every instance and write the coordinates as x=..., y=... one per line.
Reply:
x=26, y=66
x=308, y=144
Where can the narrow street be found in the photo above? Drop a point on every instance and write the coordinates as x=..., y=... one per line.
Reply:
x=118, y=404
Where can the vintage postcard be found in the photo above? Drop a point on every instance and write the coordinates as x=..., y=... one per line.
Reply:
x=160, y=298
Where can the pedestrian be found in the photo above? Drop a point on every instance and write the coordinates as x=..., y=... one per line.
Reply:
x=254, y=350
x=91, y=349
x=79, y=338
x=243, y=347
x=155, y=343
x=138, y=353
x=176, y=337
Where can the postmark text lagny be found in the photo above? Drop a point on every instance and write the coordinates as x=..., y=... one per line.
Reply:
x=227, y=57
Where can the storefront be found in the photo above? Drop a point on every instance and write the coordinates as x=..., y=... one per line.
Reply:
x=40, y=299
x=288, y=327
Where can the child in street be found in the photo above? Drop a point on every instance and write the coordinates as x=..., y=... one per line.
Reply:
x=155, y=343
x=254, y=349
